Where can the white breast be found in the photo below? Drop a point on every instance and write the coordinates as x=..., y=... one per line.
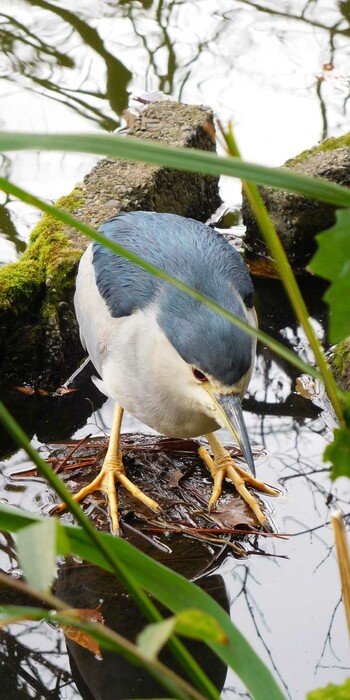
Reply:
x=138, y=366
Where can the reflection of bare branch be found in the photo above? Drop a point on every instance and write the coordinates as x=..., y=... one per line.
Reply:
x=328, y=640
x=254, y=609
x=8, y=230
x=7, y=39
x=174, y=75
x=118, y=76
x=25, y=670
x=72, y=101
x=12, y=33
x=335, y=29
x=7, y=546
x=324, y=133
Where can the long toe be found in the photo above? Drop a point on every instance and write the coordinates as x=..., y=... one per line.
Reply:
x=224, y=466
x=110, y=475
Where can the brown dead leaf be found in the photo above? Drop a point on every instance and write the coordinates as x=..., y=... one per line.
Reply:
x=80, y=636
x=62, y=390
x=233, y=514
x=262, y=267
x=305, y=386
x=27, y=390
x=177, y=476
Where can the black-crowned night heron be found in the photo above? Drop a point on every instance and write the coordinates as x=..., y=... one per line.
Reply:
x=166, y=358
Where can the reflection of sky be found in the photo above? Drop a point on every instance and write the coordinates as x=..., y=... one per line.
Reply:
x=256, y=68
x=286, y=606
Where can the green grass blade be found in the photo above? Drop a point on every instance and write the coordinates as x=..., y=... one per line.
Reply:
x=38, y=562
x=288, y=280
x=186, y=159
x=173, y=591
x=107, y=639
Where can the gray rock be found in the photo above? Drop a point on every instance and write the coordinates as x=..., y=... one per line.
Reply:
x=296, y=218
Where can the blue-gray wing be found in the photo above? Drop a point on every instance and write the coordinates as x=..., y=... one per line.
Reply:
x=184, y=248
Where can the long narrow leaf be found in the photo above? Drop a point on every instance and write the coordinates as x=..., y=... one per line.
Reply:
x=180, y=159
x=288, y=279
x=36, y=547
x=173, y=591
x=108, y=639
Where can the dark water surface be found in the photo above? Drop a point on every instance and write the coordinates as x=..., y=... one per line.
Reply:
x=280, y=71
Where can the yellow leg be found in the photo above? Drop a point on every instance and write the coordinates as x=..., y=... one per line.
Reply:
x=113, y=471
x=223, y=465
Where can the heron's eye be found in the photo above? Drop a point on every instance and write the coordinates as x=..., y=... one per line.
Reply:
x=199, y=375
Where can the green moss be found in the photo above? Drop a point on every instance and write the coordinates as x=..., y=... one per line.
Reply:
x=50, y=260
x=18, y=282
x=326, y=145
x=341, y=357
x=48, y=225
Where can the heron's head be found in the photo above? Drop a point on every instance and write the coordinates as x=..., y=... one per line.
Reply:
x=211, y=359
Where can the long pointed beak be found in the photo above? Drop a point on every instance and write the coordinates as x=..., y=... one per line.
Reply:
x=231, y=414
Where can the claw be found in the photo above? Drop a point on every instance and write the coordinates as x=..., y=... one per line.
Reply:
x=113, y=472
x=223, y=465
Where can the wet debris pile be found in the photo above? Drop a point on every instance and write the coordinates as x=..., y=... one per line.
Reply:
x=169, y=471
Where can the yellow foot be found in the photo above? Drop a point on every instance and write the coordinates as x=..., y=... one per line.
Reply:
x=111, y=473
x=224, y=466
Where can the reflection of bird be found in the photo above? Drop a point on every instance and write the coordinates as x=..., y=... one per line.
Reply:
x=166, y=358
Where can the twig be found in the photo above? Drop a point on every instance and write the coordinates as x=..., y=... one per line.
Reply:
x=343, y=555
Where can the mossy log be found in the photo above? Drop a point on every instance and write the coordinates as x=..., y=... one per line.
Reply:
x=298, y=219
x=39, y=340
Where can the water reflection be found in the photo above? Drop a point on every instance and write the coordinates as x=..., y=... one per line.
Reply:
x=48, y=69
x=37, y=658
x=72, y=69
x=288, y=608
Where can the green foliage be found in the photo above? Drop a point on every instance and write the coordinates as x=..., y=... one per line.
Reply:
x=36, y=547
x=331, y=692
x=332, y=261
x=107, y=639
x=171, y=589
x=189, y=623
x=338, y=453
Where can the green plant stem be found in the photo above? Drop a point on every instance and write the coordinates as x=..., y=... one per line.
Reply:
x=264, y=338
x=42, y=596
x=186, y=159
x=288, y=280
x=104, y=635
x=143, y=601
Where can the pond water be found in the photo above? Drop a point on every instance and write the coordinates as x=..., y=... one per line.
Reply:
x=279, y=70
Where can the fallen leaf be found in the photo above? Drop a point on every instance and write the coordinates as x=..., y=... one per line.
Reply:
x=62, y=390
x=27, y=390
x=233, y=514
x=262, y=267
x=80, y=636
